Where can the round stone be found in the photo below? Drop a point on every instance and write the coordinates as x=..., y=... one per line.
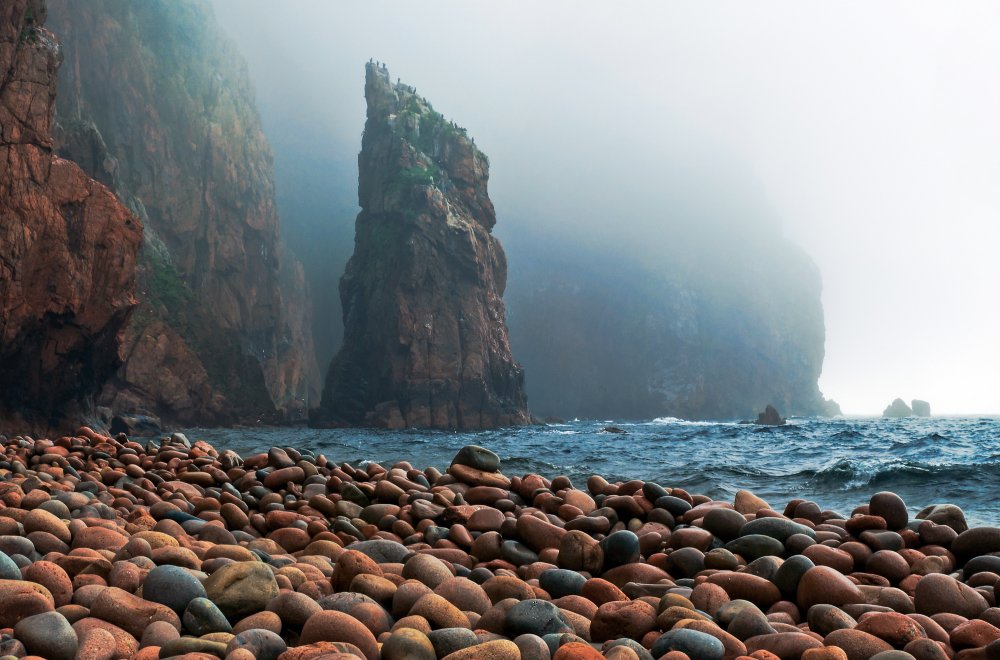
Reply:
x=334, y=626
x=408, y=644
x=937, y=593
x=448, y=640
x=783, y=645
x=48, y=635
x=631, y=619
x=465, y=594
x=497, y=649
x=891, y=507
x=691, y=642
x=129, y=612
x=858, y=644
x=20, y=599
x=945, y=514
x=536, y=617
x=777, y=528
x=427, y=569
x=561, y=582
x=724, y=523
x=383, y=551
x=293, y=608
x=787, y=577
x=241, y=588
x=578, y=551
x=975, y=542
x=172, y=586
x=478, y=458
x=824, y=619
x=439, y=612
x=755, y=546
x=8, y=569
x=263, y=644
x=532, y=647
x=823, y=584
x=202, y=617
x=620, y=548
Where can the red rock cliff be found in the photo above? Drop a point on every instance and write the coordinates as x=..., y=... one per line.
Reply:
x=425, y=341
x=67, y=246
x=156, y=102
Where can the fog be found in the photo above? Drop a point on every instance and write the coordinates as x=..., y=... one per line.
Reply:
x=867, y=132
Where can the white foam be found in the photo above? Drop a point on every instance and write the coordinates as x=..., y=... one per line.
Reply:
x=661, y=421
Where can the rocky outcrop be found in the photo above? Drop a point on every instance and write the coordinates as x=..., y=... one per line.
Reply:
x=156, y=103
x=770, y=417
x=897, y=409
x=67, y=246
x=920, y=408
x=425, y=340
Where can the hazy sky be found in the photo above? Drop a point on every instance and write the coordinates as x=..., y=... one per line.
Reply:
x=872, y=129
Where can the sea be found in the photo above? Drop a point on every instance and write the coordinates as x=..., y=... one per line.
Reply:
x=838, y=463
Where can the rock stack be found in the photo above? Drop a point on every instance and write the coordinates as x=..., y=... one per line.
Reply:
x=425, y=332
x=112, y=549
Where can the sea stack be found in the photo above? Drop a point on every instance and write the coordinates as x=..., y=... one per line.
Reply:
x=897, y=409
x=425, y=334
x=67, y=246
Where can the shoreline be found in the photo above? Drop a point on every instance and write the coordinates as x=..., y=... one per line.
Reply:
x=112, y=548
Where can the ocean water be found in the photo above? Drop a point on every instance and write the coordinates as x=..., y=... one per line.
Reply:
x=838, y=463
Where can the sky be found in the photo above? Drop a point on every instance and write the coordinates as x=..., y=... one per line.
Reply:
x=870, y=131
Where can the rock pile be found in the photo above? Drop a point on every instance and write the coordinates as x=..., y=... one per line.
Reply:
x=112, y=549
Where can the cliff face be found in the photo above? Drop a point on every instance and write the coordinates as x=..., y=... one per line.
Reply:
x=720, y=337
x=425, y=337
x=155, y=102
x=67, y=246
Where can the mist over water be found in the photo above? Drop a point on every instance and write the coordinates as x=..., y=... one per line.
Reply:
x=866, y=132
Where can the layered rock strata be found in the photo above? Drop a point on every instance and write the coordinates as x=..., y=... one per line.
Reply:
x=425, y=341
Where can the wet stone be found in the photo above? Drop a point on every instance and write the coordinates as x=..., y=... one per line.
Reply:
x=536, y=617
x=203, y=617
x=691, y=642
x=172, y=586
x=560, y=582
x=478, y=458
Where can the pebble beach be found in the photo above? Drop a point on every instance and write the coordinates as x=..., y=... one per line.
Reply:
x=113, y=548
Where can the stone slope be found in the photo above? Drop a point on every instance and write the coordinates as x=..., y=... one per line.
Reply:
x=425, y=341
x=157, y=103
x=67, y=246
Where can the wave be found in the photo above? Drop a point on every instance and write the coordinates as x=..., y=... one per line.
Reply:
x=676, y=421
x=846, y=473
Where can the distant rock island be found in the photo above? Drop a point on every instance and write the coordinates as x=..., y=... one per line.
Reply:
x=425, y=333
x=898, y=408
x=770, y=417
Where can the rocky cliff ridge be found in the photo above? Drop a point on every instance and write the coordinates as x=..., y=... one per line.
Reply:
x=157, y=104
x=425, y=341
x=67, y=246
